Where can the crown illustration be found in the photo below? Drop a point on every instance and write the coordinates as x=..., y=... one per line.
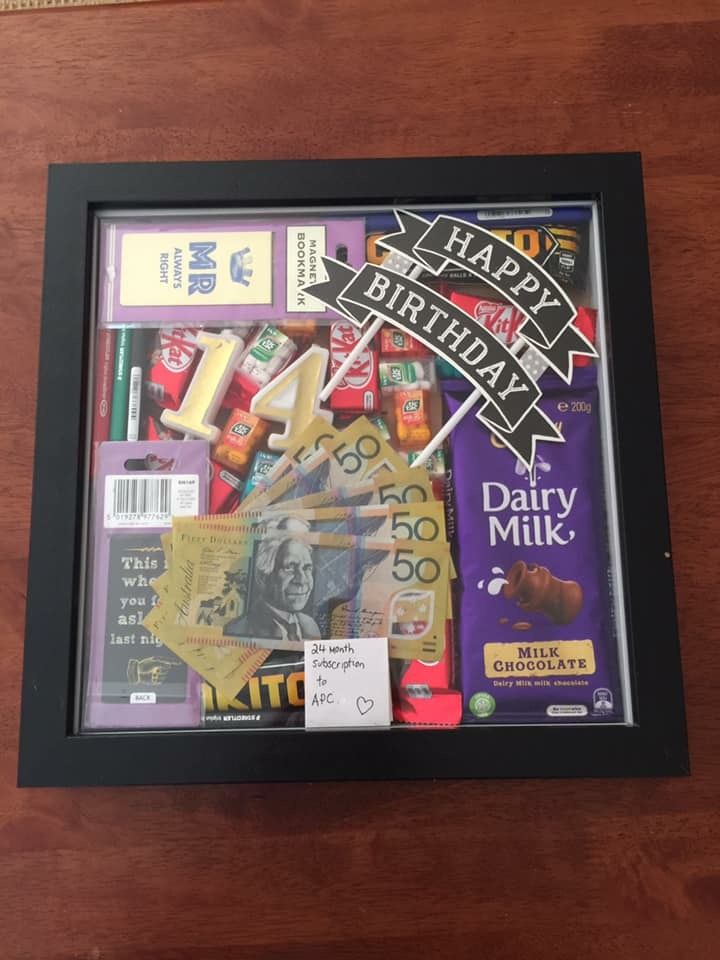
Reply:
x=241, y=266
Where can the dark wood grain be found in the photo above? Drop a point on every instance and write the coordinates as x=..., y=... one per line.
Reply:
x=551, y=869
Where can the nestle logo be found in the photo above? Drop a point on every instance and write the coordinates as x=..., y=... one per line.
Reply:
x=177, y=348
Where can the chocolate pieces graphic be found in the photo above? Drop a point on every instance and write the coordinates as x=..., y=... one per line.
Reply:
x=535, y=589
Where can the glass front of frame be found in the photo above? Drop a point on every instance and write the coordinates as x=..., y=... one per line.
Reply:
x=350, y=467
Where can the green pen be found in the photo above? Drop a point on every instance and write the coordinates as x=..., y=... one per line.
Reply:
x=121, y=385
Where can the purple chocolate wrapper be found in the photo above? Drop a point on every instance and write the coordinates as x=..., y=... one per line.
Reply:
x=535, y=636
x=124, y=561
x=218, y=272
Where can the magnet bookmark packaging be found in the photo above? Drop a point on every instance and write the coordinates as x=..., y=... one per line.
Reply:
x=349, y=470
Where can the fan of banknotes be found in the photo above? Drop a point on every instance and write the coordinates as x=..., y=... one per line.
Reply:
x=341, y=540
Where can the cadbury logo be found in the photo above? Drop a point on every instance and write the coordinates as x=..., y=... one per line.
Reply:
x=534, y=509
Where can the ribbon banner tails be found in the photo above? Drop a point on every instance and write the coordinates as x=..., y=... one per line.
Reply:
x=510, y=393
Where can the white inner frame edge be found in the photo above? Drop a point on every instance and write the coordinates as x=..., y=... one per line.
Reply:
x=609, y=475
x=596, y=286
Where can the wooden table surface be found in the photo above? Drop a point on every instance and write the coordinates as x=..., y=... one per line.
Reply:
x=550, y=869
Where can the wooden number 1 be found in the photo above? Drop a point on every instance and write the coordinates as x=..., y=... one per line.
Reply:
x=293, y=397
x=209, y=384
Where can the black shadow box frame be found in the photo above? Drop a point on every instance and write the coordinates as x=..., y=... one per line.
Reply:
x=52, y=754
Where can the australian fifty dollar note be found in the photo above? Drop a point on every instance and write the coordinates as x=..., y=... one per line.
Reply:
x=244, y=591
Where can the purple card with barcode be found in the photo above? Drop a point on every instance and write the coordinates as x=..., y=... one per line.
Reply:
x=219, y=271
x=133, y=680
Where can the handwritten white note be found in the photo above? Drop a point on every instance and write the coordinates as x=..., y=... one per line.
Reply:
x=347, y=683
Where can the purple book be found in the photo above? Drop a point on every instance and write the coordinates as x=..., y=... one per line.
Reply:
x=219, y=272
x=133, y=680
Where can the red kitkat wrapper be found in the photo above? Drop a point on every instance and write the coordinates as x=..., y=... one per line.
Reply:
x=172, y=365
x=359, y=390
x=503, y=319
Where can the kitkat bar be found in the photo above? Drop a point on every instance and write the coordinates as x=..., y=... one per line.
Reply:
x=171, y=365
x=358, y=391
x=504, y=320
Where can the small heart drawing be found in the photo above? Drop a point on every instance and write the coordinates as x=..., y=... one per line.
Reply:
x=364, y=706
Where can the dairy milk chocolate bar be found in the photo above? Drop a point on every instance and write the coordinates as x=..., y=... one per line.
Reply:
x=535, y=633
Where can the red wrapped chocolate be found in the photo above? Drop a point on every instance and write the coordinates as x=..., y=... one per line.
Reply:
x=358, y=390
x=155, y=429
x=423, y=692
x=268, y=352
x=225, y=490
x=503, y=319
x=171, y=365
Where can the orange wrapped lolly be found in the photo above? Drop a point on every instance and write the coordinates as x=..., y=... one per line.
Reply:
x=396, y=343
x=413, y=429
x=239, y=440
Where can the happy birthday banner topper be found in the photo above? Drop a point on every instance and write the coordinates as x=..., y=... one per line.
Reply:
x=502, y=383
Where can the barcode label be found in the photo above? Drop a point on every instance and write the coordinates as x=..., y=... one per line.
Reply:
x=133, y=424
x=149, y=501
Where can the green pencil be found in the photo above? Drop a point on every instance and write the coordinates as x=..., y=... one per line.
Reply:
x=121, y=385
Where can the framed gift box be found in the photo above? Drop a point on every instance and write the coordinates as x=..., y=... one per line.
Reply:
x=349, y=470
